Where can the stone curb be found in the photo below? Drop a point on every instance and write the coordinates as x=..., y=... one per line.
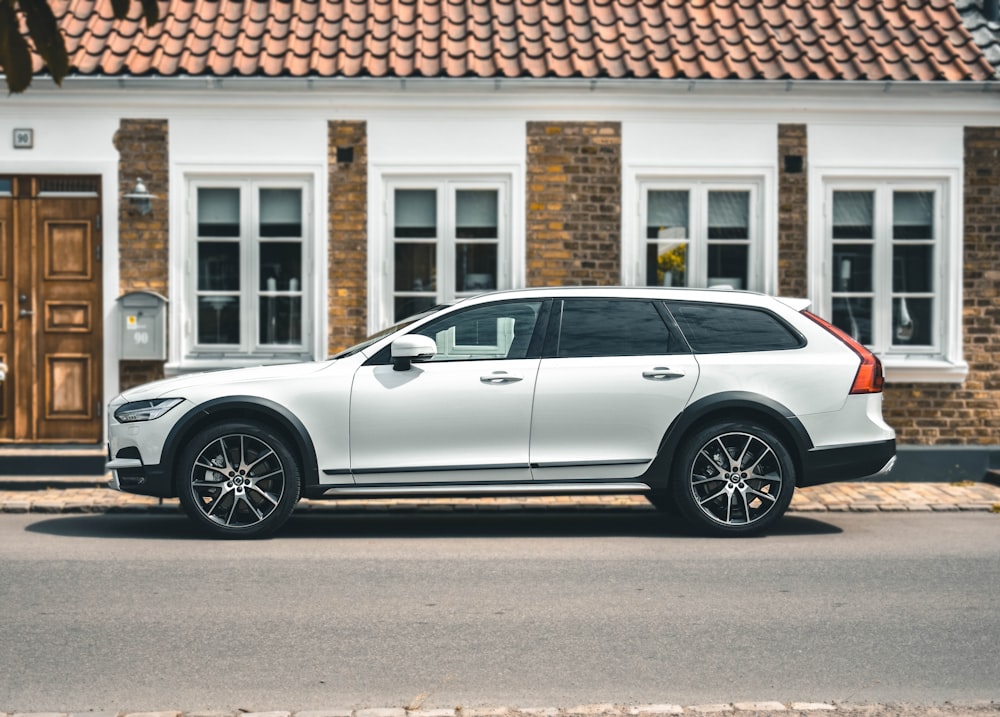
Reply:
x=833, y=498
x=758, y=709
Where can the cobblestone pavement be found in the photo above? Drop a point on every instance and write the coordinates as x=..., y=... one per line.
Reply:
x=73, y=496
x=737, y=709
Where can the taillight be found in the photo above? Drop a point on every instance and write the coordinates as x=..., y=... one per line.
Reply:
x=869, y=378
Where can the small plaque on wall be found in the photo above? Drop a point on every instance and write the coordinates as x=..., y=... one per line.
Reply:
x=24, y=138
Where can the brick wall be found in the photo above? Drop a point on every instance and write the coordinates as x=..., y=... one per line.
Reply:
x=793, y=217
x=573, y=203
x=348, y=233
x=968, y=413
x=143, y=151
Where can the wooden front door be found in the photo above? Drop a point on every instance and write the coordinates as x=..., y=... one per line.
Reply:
x=50, y=310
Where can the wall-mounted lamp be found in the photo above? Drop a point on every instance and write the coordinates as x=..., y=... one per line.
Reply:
x=140, y=198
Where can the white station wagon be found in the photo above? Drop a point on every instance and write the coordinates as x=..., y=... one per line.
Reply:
x=714, y=404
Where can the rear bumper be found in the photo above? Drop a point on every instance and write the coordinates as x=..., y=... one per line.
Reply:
x=843, y=463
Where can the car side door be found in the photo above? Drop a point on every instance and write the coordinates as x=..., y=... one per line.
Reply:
x=462, y=416
x=614, y=374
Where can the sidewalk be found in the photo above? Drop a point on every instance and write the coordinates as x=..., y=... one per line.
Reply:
x=82, y=495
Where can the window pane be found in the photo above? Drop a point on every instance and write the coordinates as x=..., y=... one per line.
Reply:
x=911, y=321
x=912, y=215
x=912, y=268
x=666, y=264
x=602, y=327
x=729, y=215
x=476, y=214
x=854, y=315
x=218, y=320
x=727, y=265
x=495, y=331
x=218, y=266
x=476, y=267
x=280, y=320
x=6, y=186
x=852, y=267
x=416, y=267
x=281, y=212
x=280, y=266
x=218, y=212
x=667, y=215
x=405, y=306
x=853, y=215
x=416, y=213
x=714, y=328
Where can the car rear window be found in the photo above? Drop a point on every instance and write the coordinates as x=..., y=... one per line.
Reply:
x=614, y=327
x=721, y=328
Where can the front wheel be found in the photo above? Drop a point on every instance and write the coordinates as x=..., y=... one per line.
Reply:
x=733, y=478
x=238, y=480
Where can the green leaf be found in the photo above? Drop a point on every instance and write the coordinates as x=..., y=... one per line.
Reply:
x=46, y=37
x=151, y=11
x=15, y=57
x=120, y=8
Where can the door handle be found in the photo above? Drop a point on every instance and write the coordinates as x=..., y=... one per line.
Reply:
x=662, y=373
x=498, y=378
x=25, y=312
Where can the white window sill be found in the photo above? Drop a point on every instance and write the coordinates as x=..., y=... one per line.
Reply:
x=899, y=369
x=221, y=363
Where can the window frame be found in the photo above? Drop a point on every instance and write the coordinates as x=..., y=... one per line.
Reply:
x=250, y=350
x=447, y=181
x=942, y=361
x=762, y=272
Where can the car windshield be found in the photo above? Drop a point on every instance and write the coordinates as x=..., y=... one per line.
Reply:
x=385, y=332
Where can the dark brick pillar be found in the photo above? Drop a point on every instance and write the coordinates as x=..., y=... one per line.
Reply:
x=793, y=216
x=969, y=413
x=143, y=256
x=348, y=230
x=574, y=203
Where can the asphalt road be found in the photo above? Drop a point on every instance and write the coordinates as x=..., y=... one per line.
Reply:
x=138, y=612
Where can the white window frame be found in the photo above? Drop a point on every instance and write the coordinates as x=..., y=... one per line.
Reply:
x=762, y=270
x=942, y=362
x=446, y=181
x=190, y=355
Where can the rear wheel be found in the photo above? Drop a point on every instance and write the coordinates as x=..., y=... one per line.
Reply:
x=733, y=478
x=238, y=480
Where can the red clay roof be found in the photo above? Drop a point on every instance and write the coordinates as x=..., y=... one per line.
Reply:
x=660, y=39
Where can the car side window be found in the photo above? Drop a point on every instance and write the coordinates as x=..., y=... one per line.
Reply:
x=492, y=331
x=721, y=328
x=614, y=327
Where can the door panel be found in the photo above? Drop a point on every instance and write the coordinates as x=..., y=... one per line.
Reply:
x=51, y=292
x=450, y=421
x=604, y=417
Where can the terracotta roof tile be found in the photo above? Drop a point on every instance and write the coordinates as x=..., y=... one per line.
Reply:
x=928, y=40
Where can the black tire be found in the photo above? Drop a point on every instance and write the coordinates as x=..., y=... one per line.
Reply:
x=238, y=479
x=733, y=478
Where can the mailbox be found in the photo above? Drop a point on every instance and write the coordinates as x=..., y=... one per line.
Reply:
x=143, y=327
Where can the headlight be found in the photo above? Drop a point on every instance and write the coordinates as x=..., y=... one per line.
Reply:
x=145, y=410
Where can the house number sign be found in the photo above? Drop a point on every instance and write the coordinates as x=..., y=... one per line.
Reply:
x=24, y=138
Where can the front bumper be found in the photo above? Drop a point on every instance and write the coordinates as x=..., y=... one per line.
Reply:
x=844, y=463
x=129, y=475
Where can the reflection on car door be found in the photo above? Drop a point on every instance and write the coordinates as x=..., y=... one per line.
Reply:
x=462, y=417
x=613, y=376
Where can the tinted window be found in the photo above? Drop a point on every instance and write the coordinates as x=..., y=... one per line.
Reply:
x=601, y=327
x=491, y=331
x=718, y=328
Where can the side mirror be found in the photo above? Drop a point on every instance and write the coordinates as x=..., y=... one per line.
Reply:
x=412, y=347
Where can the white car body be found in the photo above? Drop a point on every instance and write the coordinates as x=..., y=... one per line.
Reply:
x=477, y=424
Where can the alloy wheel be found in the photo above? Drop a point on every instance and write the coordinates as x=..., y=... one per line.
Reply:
x=736, y=479
x=237, y=481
